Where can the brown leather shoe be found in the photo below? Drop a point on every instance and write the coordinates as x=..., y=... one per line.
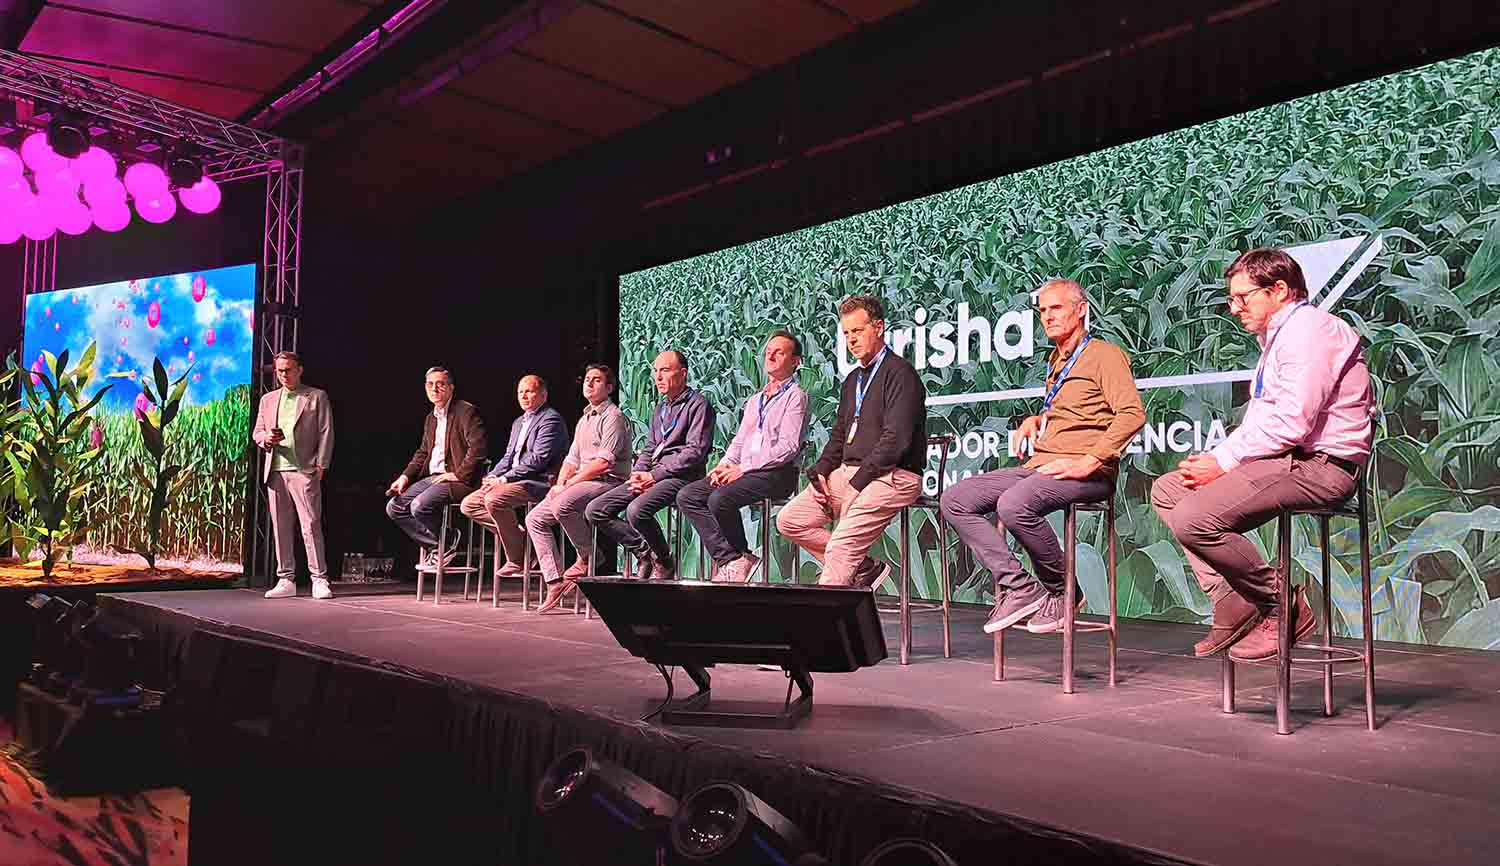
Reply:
x=1260, y=643
x=1233, y=618
x=579, y=568
x=645, y=564
x=556, y=592
x=664, y=569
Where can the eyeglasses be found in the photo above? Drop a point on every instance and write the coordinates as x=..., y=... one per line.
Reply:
x=1239, y=302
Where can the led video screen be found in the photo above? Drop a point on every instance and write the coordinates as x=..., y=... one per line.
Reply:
x=1387, y=191
x=200, y=325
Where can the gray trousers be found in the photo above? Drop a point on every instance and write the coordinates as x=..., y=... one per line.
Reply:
x=1208, y=521
x=1021, y=498
x=565, y=509
x=296, y=495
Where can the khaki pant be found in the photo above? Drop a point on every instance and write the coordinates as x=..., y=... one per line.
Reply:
x=494, y=508
x=296, y=493
x=858, y=517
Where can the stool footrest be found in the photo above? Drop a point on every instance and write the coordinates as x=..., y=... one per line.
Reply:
x=449, y=569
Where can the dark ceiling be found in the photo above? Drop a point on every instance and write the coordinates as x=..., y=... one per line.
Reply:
x=469, y=94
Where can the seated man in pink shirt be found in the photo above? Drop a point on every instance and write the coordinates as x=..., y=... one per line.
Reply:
x=1305, y=439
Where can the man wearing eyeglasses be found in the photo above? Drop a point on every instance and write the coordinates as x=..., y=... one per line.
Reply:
x=1304, y=441
x=444, y=469
x=1090, y=411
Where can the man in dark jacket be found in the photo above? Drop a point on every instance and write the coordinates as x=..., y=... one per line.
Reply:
x=538, y=441
x=444, y=469
x=872, y=465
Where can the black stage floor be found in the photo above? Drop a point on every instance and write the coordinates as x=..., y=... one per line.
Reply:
x=1152, y=764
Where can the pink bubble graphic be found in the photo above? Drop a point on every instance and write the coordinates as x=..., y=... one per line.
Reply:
x=56, y=326
x=196, y=377
x=73, y=298
x=125, y=323
x=119, y=359
x=47, y=312
x=185, y=342
x=200, y=288
x=122, y=342
x=153, y=314
x=208, y=336
x=191, y=355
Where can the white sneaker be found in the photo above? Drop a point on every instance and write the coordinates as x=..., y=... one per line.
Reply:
x=747, y=565
x=321, y=589
x=284, y=588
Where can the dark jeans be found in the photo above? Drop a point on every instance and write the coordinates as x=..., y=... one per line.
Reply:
x=715, y=511
x=1021, y=498
x=639, y=529
x=419, y=508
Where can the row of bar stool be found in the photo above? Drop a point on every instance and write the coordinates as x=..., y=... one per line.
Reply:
x=1324, y=655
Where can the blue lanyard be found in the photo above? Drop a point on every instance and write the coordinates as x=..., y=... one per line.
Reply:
x=1260, y=369
x=863, y=384
x=1063, y=376
x=760, y=421
x=666, y=429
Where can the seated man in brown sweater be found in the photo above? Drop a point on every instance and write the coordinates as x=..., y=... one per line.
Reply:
x=872, y=465
x=1089, y=414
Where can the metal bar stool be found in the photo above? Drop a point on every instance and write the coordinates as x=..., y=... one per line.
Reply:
x=903, y=584
x=766, y=506
x=438, y=569
x=1071, y=625
x=1325, y=654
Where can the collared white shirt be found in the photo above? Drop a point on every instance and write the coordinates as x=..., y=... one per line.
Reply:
x=438, y=464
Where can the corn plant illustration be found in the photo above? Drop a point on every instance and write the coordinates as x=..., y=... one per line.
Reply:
x=50, y=458
x=155, y=408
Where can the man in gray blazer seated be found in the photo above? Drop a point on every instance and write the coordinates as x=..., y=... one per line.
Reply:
x=538, y=441
x=294, y=427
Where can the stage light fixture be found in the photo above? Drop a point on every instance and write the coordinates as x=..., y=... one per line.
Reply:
x=67, y=135
x=158, y=208
x=604, y=812
x=202, y=197
x=95, y=165
x=52, y=635
x=40, y=156
x=725, y=824
x=907, y=852
x=11, y=165
x=145, y=180
x=184, y=168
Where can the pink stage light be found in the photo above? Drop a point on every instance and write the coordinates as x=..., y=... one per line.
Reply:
x=201, y=197
x=10, y=229
x=36, y=220
x=112, y=217
x=40, y=155
x=145, y=181
x=156, y=210
x=72, y=217
x=95, y=165
x=13, y=193
x=103, y=193
x=11, y=165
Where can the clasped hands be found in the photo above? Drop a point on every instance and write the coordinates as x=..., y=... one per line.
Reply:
x=1063, y=468
x=724, y=473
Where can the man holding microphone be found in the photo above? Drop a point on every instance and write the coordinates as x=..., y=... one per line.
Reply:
x=294, y=427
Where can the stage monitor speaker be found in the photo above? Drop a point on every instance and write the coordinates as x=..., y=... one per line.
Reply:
x=695, y=625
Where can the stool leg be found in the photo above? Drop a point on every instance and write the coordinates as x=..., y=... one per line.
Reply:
x=904, y=585
x=525, y=572
x=577, y=594
x=1366, y=608
x=468, y=560
x=1110, y=565
x=421, y=575
x=943, y=576
x=442, y=549
x=495, y=570
x=1323, y=539
x=1284, y=634
x=765, y=541
x=999, y=655
x=1226, y=672
x=1070, y=586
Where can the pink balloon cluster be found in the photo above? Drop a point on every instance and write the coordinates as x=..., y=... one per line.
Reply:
x=73, y=195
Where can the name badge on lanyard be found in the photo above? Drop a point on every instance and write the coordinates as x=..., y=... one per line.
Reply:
x=862, y=385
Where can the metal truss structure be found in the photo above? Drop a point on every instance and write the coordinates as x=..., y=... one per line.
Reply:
x=231, y=152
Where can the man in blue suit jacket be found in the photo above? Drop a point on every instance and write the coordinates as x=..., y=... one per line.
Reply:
x=538, y=441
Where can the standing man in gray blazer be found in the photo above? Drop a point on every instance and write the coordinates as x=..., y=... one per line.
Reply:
x=294, y=427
